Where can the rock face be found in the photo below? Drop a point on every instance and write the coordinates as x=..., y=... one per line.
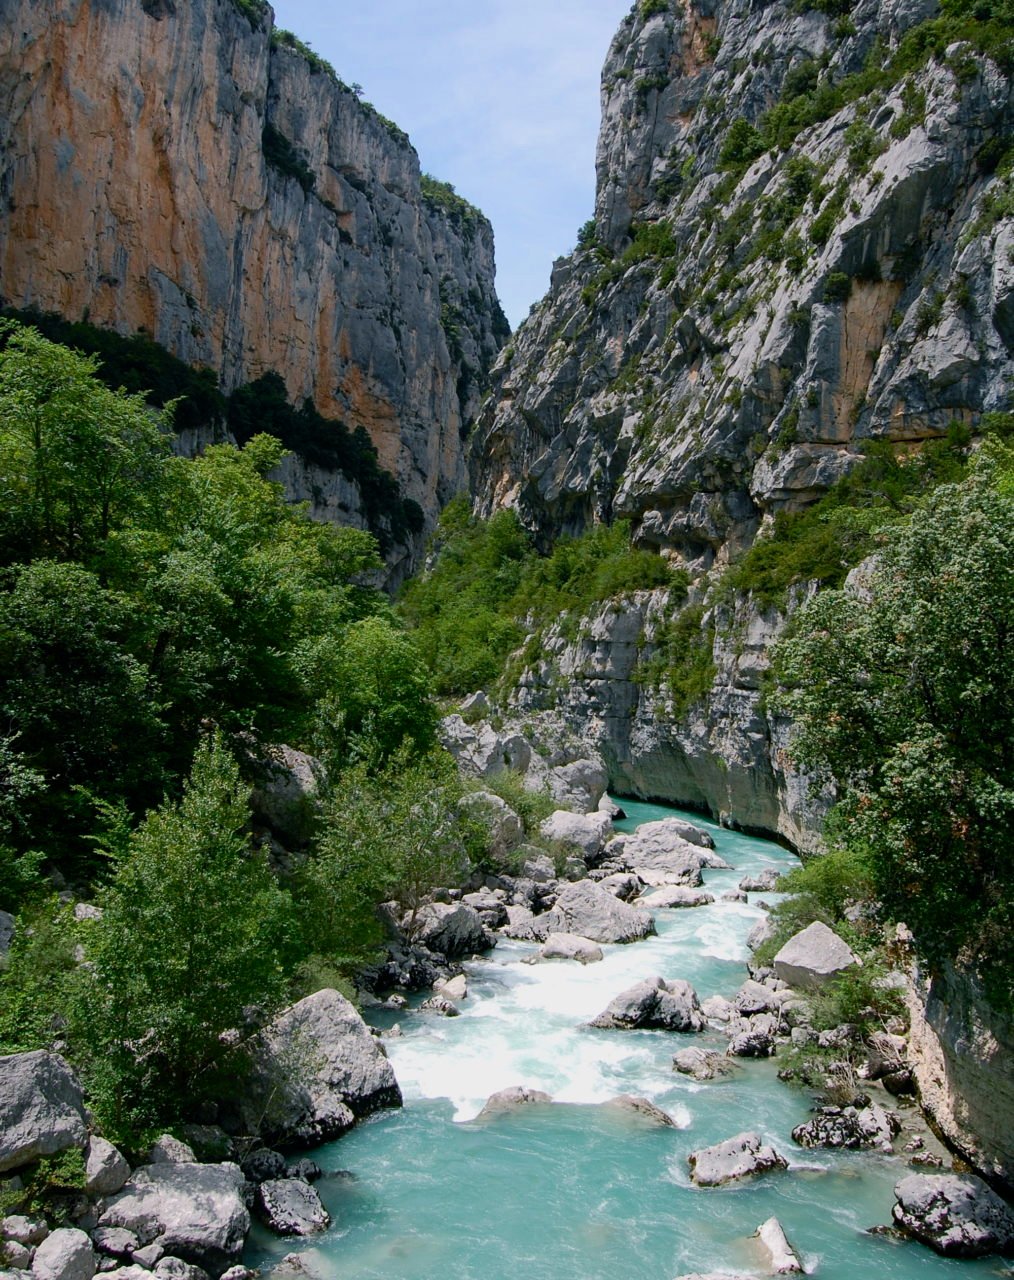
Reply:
x=316, y=1070
x=957, y=1216
x=232, y=198
x=585, y=909
x=738, y=1157
x=41, y=1108
x=727, y=336
x=813, y=957
x=654, y=1004
x=961, y=1052
x=194, y=1211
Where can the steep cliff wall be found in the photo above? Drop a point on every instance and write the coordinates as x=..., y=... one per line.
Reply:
x=801, y=242
x=169, y=165
x=962, y=1053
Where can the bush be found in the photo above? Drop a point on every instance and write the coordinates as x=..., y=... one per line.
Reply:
x=904, y=700
x=741, y=146
x=837, y=287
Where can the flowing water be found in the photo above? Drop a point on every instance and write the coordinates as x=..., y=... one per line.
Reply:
x=573, y=1191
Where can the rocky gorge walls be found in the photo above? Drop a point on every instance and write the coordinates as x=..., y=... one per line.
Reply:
x=801, y=245
x=179, y=167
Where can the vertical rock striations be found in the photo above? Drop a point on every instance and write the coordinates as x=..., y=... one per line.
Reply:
x=178, y=167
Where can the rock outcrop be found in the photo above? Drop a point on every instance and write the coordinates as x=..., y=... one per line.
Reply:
x=590, y=912
x=218, y=187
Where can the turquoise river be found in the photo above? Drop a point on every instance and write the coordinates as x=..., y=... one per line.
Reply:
x=571, y=1191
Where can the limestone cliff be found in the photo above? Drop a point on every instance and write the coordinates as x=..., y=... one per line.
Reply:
x=802, y=242
x=178, y=167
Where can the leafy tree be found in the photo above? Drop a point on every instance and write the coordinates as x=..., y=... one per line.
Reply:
x=394, y=834
x=75, y=458
x=903, y=694
x=194, y=932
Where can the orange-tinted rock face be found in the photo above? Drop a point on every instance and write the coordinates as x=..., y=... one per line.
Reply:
x=134, y=189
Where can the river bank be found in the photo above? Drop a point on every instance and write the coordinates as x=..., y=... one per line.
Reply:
x=574, y=1190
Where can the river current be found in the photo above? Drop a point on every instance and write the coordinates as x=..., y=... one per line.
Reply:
x=574, y=1191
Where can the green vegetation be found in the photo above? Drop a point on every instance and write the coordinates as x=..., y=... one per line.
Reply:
x=282, y=39
x=263, y=406
x=162, y=621
x=442, y=195
x=905, y=701
x=823, y=542
x=648, y=8
x=837, y=287
x=489, y=589
x=138, y=365
x=255, y=11
x=682, y=661
x=280, y=153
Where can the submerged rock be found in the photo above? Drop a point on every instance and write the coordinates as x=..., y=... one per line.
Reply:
x=738, y=1157
x=512, y=1099
x=653, y=1004
x=957, y=1215
x=641, y=1109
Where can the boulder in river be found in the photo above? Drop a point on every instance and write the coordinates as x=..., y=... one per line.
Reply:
x=291, y=1207
x=512, y=1099
x=701, y=1064
x=642, y=1110
x=739, y=1157
x=956, y=1214
x=783, y=1259
x=590, y=912
x=41, y=1108
x=316, y=1069
x=195, y=1212
x=675, y=896
x=812, y=957
x=752, y=1043
x=451, y=929
x=653, y=1005
x=763, y=882
x=622, y=884
x=569, y=946
x=849, y=1128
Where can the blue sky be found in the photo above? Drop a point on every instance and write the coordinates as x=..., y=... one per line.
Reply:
x=500, y=97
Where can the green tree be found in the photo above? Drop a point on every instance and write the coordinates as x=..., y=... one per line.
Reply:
x=903, y=694
x=76, y=459
x=392, y=834
x=194, y=932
